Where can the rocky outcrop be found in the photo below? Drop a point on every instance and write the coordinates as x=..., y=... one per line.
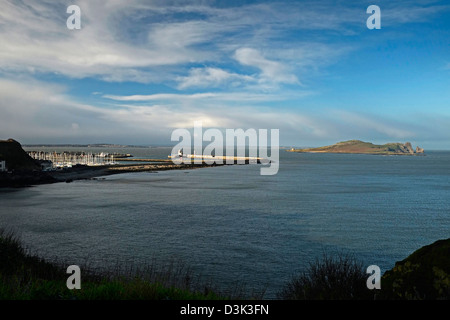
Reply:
x=16, y=158
x=22, y=169
x=407, y=148
x=419, y=150
x=24, y=179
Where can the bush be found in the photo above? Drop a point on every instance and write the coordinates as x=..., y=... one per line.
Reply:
x=341, y=278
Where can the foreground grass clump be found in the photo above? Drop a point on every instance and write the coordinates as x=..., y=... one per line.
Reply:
x=340, y=278
x=24, y=276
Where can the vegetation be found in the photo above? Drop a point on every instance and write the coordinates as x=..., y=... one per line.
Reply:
x=357, y=146
x=424, y=275
x=24, y=276
x=341, y=278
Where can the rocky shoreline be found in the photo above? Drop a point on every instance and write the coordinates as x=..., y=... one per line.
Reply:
x=24, y=179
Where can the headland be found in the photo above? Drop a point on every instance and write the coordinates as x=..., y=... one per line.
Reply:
x=21, y=169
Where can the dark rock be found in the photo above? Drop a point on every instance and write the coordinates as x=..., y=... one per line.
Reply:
x=16, y=158
x=24, y=178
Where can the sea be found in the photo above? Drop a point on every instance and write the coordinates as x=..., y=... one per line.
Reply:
x=232, y=225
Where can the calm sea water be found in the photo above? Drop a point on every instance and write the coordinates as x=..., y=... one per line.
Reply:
x=231, y=224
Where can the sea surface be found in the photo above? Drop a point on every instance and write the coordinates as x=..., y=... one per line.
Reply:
x=231, y=224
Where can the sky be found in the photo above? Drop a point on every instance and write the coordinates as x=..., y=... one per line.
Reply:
x=137, y=70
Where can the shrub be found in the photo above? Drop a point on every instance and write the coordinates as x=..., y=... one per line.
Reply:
x=340, y=278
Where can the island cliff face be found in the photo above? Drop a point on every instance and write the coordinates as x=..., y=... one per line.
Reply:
x=357, y=146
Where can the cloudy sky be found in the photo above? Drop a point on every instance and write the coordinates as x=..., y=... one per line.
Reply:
x=137, y=70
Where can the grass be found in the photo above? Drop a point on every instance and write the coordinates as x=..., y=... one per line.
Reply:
x=331, y=278
x=24, y=276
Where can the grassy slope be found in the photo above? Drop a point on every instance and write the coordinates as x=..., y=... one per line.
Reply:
x=27, y=277
x=425, y=274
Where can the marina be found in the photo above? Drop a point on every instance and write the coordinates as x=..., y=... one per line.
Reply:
x=66, y=159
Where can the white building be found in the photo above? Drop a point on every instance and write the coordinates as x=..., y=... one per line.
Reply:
x=2, y=166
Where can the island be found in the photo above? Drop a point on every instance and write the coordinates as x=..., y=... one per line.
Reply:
x=361, y=147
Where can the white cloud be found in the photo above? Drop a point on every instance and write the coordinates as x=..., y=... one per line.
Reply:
x=245, y=97
x=271, y=71
x=240, y=51
x=35, y=36
x=40, y=112
x=212, y=77
x=31, y=109
x=123, y=41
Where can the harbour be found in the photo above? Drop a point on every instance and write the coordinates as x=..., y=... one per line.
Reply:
x=67, y=159
x=230, y=224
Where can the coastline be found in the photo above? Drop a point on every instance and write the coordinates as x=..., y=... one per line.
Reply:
x=31, y=178
x=98, y=171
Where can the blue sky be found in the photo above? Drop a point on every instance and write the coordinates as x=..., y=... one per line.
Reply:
x=137, y=70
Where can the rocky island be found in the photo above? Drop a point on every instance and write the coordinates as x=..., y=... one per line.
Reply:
x=361, y=147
